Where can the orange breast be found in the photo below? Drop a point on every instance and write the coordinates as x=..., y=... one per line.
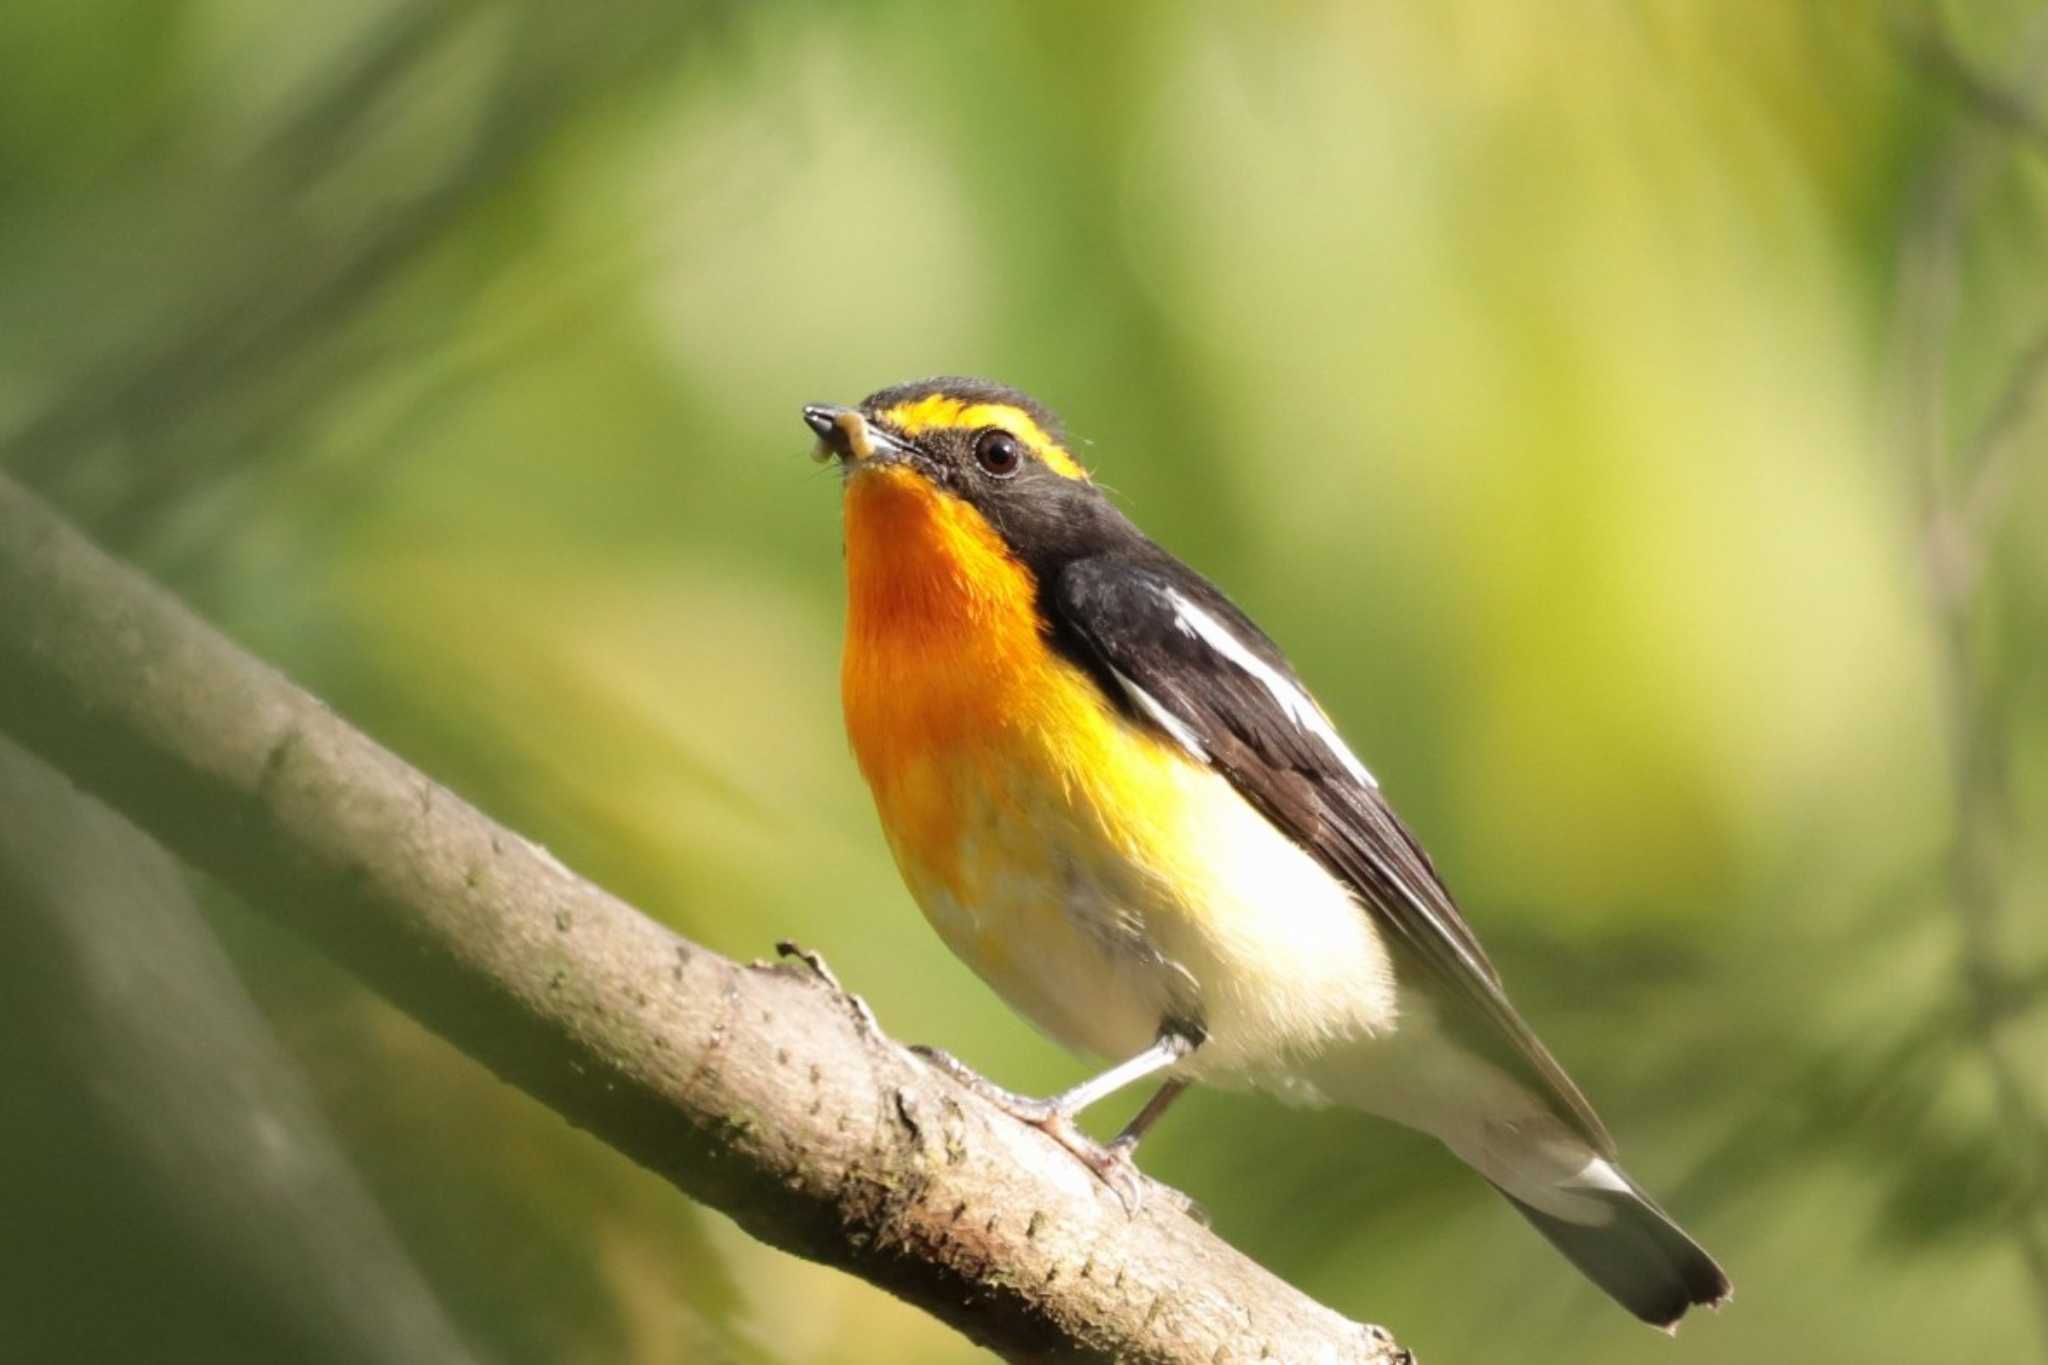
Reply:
x=1026, y=819
x=952, y=698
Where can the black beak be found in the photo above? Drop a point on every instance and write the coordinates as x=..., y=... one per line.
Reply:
x=823, y=418
x=845, y=433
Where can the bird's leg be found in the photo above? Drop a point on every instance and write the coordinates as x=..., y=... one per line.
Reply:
x=1055, y=1116
x=1162, y=1099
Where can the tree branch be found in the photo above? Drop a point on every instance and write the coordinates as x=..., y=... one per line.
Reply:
x=763, y=1091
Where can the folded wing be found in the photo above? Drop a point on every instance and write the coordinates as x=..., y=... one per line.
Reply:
x=1181, y=660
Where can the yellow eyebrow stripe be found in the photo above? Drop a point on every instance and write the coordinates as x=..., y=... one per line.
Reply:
x=938, y=410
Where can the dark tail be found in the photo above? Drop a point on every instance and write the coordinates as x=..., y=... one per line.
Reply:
x=1640, y=1257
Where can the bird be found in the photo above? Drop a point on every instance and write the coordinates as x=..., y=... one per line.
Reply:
x=1115, y=800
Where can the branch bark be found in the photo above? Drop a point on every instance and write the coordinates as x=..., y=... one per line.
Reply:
x=764, y=1091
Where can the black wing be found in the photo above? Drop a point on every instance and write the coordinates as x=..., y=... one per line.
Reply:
x=1180, y=659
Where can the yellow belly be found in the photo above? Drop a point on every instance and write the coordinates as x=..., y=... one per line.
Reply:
x=1100, y=880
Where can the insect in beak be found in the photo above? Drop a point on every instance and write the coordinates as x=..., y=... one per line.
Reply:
x=844, y=434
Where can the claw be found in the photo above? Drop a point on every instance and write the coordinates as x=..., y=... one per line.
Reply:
x=862, y=1015
x=1111, y=1163
x=1035, y=1112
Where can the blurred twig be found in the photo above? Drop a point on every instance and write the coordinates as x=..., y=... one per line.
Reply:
x=278, y=295
x=213, y=1136
x=1992, y=458
x=144, y=387
x=2006, y=106
x=764, y=1091
x=1962, y=486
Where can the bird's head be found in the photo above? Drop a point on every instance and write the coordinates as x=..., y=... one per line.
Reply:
x=968, y=453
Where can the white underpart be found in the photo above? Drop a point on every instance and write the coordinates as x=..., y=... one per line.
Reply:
x=1306, y=715
x=1200, y=625
x=1428, y=1077
x=1163, y=718
x=1251, y=931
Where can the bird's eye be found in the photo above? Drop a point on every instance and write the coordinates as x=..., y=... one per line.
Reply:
x=998, y=452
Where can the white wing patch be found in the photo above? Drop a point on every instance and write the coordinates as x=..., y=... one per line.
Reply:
x=1197, y=624
x=1163, y=718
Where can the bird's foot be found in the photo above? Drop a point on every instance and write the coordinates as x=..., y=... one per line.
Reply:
x=1031, y=1111
x=1111, y=1162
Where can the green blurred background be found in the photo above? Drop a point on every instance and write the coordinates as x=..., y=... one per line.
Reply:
x=1570, y=389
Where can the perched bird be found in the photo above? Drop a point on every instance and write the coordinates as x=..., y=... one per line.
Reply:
x=1112, y=797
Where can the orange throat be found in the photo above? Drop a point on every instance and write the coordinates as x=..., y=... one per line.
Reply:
x=942, y=624
x=945, y=677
